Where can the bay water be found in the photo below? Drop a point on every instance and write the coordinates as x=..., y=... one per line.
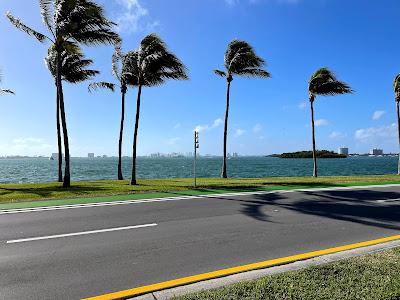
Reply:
x=27, y=170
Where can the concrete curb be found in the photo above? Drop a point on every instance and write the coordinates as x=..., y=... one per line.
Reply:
x=257, y=274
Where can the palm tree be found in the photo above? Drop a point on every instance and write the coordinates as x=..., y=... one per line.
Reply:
x=5, y=91
x=69, y=21
x=150, y=65
x=117, y=72
x=396, y=86
x=73, y=71
x=324, y=83
x=240, y=59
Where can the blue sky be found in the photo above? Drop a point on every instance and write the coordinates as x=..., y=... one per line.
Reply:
x=357, y=39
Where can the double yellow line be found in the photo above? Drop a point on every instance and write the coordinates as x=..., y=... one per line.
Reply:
x=229, y=271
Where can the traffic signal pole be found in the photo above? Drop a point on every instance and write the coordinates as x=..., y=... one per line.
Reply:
x=196, y=146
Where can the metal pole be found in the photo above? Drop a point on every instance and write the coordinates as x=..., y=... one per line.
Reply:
x=196, y=145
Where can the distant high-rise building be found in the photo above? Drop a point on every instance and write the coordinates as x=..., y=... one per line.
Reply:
x=343, y=151
x=54, y=156
x=90, y=155
x=376, y=151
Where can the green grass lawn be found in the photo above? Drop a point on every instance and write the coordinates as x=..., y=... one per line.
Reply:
x=370, y=277
x=91, y=191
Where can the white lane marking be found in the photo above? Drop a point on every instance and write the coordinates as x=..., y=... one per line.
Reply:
x=387, y=200
x=165, y=199
x=78, y=233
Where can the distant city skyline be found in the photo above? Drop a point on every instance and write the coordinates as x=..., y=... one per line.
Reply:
x=267, y=116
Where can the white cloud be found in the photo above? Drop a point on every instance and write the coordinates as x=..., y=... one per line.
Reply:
x=27, y=146
x=302, y=105
x=215, y=124
x=29, y=140
x=134, y=17
x=378, y=114
x=239, y=132
x=337, y=135
x=177, y=125
x=231, y=2
x=173, y=141
x=257, y=128
x=321, y=122
x=376, y=134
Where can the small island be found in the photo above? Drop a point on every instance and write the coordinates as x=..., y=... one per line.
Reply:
x=309, y=154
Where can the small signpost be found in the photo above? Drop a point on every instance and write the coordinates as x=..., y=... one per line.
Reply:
x=196, y=146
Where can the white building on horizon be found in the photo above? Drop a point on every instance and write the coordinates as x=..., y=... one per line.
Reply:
x=90, y=155
x=343, y=151
x=376, y=151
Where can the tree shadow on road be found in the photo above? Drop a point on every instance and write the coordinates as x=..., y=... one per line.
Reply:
x=357, y=206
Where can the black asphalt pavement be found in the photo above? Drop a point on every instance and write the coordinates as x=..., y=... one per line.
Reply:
x=192, y=236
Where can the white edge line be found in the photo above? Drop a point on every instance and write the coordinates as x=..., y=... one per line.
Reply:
x=165, y=199
x=78, y=233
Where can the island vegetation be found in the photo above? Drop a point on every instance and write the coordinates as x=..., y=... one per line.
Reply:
x=309, y=154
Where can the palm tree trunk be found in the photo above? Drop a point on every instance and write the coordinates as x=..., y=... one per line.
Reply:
x=223, y=172
x=398, y=128
x=121, y=132
x=67, y=174
x=133, y=179
x=315, y=172
x=60, y=157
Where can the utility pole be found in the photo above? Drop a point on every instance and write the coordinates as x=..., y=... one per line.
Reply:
x=196, y=146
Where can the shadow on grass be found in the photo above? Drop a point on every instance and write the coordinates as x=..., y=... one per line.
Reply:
x=51, y=191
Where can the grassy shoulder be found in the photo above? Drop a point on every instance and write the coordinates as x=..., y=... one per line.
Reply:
x=373, y=276
x=42, y=194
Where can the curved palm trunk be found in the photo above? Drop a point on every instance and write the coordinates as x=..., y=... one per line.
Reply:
x=315, y=172
x=133, y=179
x=223, y=172
x=67, y=174
x=398, y=128
x=60, y=179
x=121, y=132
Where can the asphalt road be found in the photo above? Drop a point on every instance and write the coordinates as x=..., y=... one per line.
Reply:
x=191, y=236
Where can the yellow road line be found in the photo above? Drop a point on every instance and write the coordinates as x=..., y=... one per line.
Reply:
x=229, y=271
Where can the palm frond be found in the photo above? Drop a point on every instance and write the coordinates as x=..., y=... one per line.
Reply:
x=220, y=73
x=152, y=64
x=6, y=91
x=117, y=57
x=253, y=72
x=334, y=88
x=21, y=26
x=47, y=14
x=324, y=82
x=84, y=21
x=241, y=59
x=101, y=85
x=396, y=87
x=74, y=65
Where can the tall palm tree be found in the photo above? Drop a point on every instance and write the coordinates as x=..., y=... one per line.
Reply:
x=150, y=65
x=240, y=59
x=4, y=91
x=70, y=21
x=117, y=58
x=74, y=70
x=396, y=86
x=323, y=83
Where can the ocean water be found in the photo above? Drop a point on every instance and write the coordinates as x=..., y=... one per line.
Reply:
x=45, y=170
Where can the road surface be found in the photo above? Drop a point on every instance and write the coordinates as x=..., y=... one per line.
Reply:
x=81, y=252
